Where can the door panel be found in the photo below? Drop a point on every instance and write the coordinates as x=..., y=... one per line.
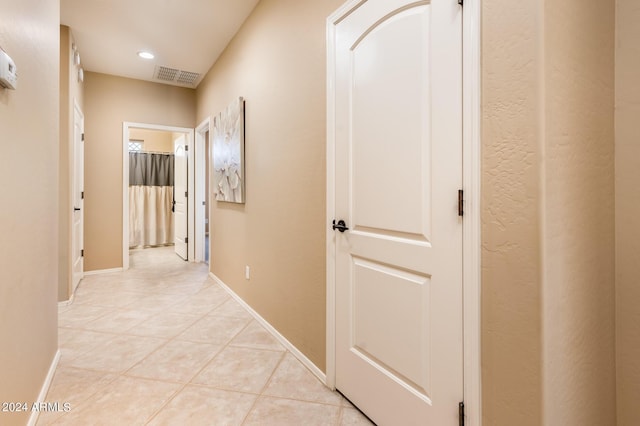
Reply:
x=180, y=196
x=380, y=328
x=379, y=160
x=398, y=170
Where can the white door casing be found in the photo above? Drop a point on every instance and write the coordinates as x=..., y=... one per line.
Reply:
x=77, y=200
x=398, y=169
x=180, y=196
x=201, y=175
x=189, y=134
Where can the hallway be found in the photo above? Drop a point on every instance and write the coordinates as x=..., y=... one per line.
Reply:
x=164, y=344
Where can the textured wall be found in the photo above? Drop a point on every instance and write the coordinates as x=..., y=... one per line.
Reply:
x=548, y=246
x=511, y=304
x=578, y=194
x=628, y=211
x=277, y=62
x=110, y=101
x=29, y=120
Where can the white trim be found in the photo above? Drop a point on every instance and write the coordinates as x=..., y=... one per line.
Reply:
x=200, y=176
x=331, y=201
x=103, y=271
x=125, y=185
x=472, y=242
x=283, y=340
x=65, y=303
x=471, y=185
x=33, y=419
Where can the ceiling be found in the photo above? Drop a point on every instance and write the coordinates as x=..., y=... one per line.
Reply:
x=184, y=35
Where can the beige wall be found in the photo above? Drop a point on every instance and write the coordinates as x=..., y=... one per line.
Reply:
x=277, y=63
x=154, y=140
x=29, y=119
x=511, y=292
x=548, y=247
x=578, y=214
x=628, y=210
x=70, y=89
x=110, y=101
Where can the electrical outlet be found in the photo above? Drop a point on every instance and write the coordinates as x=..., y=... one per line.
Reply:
x=247, y=272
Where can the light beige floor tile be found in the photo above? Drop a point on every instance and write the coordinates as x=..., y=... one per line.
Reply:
x=255, y=336
x=286, y=412
x=72, y=386
x=212, y=329
x=196, y=405
x=240, y=369
x=79, y=315
x=129, y=371
x=196, y=304
x=159, y=302
x=177, y=361
x=347, y=403
x=164, y=324
x=125, y=401
x=212, y=295
x=110, y=296
x=292, y=380
x=117, y=355
x=353, y=417
x=231, y=308
x=118, y=321
x=77, y=342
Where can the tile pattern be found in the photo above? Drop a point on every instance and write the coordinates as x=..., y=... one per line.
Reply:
x=163, y=344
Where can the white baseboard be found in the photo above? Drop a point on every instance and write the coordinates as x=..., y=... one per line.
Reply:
x=45, y=388
x=103, y=271
x=283, y=340
x=65, y=303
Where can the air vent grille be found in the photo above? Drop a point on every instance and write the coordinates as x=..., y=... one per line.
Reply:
x=167, y=74
x=188, y=77
x=172, y=75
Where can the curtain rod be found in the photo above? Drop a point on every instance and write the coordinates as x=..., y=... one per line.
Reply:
x=151, y=152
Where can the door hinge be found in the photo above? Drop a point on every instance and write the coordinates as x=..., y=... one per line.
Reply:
x=186, y=194
x=82, y=253
x=461, y=414
x=186, y=147
x=83, y=137
x=461, y=2
x=186, y=240
x=460, y=202
x=82, y=195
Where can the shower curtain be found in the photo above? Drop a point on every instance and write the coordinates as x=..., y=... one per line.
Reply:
x=150, y=199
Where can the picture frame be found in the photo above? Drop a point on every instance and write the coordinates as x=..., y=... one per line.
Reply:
x=228, y=153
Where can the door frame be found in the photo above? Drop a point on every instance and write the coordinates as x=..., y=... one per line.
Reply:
x=125, y=184
x=471, y=167
x=201, y=159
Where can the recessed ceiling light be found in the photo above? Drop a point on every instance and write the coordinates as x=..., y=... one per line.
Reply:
x=146, y=55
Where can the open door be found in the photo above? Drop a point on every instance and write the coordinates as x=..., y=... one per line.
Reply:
x=180, y=196
x=77, y=198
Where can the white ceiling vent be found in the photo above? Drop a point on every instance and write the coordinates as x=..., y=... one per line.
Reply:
x=175, y=76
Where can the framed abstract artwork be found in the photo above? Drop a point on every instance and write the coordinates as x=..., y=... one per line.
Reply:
x=228, y=153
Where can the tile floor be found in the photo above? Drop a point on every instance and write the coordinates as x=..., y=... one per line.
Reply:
x=163, y=344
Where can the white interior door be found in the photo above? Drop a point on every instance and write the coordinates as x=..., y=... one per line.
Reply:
x=398, y=106
x=180, y=196
x=77, y=198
